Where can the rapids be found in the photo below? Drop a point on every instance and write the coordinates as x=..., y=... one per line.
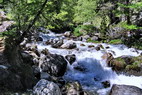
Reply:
x=94, y=69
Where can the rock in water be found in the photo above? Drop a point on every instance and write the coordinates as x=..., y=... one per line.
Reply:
x=57, y=43
x=53, y=64
x=71, y=58
x=67, y=34
x=69, y=45
x=44, y=87
x=125, y=90
x=73, y=89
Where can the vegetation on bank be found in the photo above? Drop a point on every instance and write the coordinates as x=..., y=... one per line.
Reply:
x=82, y=17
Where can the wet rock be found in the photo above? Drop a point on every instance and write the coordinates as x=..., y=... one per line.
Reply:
x=57, y=43
x=128, y=59
x=95, y=38
x=73, y=88
x=44, y=87
x=108, y=57
x=91, y=46
x=67, y=34
x=84, y=38
x=71, y=58
x=82, y=44
x=36, y=61
x=31, y=47
x=117, y=64
x=53, y=64
x=78, y=38
x=39, y=39
x=32, y=54
x=125, y=90
x=45, y=51
x=99, y=47
x=69, y=45
x=107, y=47
x=106, y=84
x=45, y=75
x=50, y=41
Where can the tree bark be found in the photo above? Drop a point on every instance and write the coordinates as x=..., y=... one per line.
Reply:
x=128, y=12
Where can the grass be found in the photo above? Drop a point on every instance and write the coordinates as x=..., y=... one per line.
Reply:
x=93, y=41
x=115, y=41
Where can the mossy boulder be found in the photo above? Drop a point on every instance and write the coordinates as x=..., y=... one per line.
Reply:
x=135, y=64
x=117, y=64
x=130, y=65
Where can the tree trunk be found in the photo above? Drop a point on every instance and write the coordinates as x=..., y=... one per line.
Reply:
x=127, y=10
x=19, y=40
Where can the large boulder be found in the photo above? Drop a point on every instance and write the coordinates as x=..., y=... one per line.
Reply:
x=53, y=64
x=131, y=65
x=125, y=90
x=9, y=81
x=117, y=64
x=69, y=45
x=44, y=87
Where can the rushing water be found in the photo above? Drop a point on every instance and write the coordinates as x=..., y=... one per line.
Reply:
x=93, y=68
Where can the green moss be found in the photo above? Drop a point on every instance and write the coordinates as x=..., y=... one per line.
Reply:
x=121, y=60
x=136, y=64
x=83, y=30
x=132, y=67
x=115, y=41
x=93, y=41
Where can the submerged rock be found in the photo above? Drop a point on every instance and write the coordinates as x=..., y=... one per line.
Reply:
x=44, y=87
x=125, y=90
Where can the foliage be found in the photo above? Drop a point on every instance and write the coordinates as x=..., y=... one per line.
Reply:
x=129, y=27
x=115, y=41
x=83, y=30
x=85, y=11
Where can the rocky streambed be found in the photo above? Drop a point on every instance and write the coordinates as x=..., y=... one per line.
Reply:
x=64, y=65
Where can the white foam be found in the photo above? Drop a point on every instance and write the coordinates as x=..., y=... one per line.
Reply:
x=94, y=69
